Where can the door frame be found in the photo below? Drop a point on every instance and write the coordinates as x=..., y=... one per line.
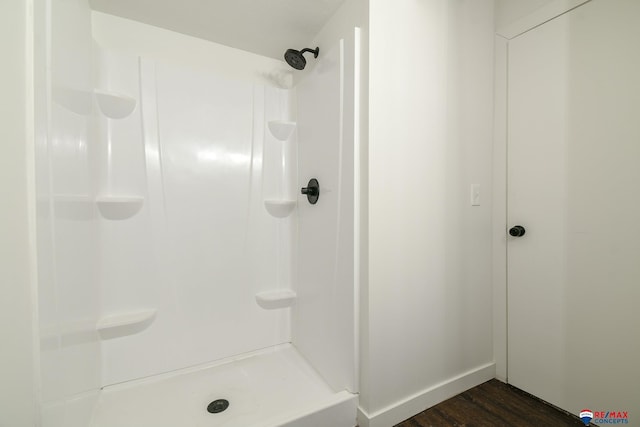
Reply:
x=503, y=35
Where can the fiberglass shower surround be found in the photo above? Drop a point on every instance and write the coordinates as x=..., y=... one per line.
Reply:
x=196, y=241
x=204, y=242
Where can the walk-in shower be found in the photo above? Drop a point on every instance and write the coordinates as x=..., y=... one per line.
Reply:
x=173, y=238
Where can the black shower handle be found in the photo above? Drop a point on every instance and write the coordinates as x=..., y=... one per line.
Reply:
x=312, y=190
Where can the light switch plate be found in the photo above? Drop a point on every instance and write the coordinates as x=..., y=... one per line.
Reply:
x=475, y=194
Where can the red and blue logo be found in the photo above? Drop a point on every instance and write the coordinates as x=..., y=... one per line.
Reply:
x=586, y=415
x=604, y=417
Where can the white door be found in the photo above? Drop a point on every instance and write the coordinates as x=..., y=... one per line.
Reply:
x=574, y=186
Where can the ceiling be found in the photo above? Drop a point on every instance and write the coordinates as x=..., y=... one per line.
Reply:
x=265, y=27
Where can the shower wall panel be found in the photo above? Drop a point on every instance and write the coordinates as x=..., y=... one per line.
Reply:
x=130, y=279
x=324, y=317
x=202, y=244
x=67, y=249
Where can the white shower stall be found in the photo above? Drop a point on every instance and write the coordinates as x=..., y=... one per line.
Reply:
x=178, y=263
x=157, y=257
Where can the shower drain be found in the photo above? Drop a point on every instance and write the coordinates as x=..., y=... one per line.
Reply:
x=218, y=406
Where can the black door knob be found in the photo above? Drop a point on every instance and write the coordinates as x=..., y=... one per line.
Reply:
x=312, y=190
x=517, y=231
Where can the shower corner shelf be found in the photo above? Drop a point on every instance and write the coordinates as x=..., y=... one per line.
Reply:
x=279, y=298
x=281, y=130
x=119, y=325
x=280, y=208
x=119, y=207
x=114, y=105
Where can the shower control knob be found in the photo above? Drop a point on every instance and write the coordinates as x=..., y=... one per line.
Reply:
x=312, y=190
x=517, y=231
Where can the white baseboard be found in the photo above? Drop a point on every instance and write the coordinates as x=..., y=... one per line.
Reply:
x=412, y=405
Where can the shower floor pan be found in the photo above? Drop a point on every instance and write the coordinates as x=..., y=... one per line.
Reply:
x=275, y=387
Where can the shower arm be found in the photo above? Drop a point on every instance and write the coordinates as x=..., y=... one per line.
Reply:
x=314, y=51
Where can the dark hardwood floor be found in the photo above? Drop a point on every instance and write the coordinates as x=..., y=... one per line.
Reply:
x=492, y=404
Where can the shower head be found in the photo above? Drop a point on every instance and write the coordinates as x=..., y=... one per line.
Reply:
x=296, y=59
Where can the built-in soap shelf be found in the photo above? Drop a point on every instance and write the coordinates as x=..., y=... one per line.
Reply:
x=278, y=298
x=113, y=104
x=281, y=130
x=280, y=208
x=123, y=324
x=119, y=207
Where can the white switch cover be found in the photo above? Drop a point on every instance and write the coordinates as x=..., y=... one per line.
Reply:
x=475, y=194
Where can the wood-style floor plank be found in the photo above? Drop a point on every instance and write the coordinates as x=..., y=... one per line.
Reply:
x=493, y=404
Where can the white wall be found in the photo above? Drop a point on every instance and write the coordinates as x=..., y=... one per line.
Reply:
x=430, y=136
x=17, y=393
x=135, y=38
x=351, y=14
x=509, y=11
